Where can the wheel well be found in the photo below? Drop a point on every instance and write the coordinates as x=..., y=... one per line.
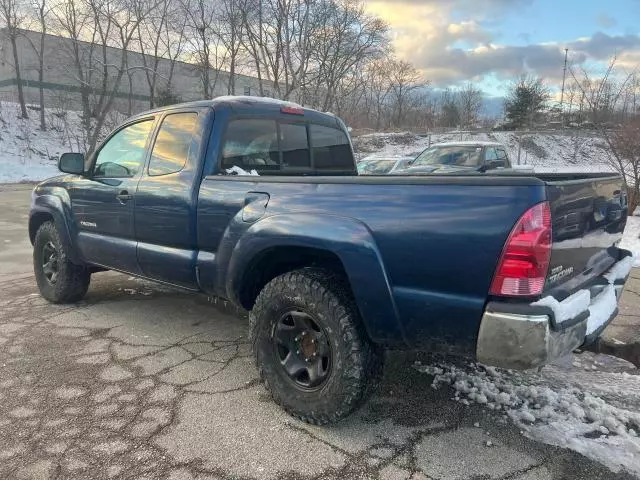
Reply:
x=35, y=221
x=277, y=261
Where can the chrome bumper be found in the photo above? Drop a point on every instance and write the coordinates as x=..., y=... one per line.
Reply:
x=510, y=340
x=528, y=336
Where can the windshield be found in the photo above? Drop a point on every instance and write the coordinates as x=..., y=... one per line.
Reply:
x=402, y=164
x=375, y=167
x=464, y=156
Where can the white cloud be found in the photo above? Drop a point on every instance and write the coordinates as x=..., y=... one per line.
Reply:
x=449, y=51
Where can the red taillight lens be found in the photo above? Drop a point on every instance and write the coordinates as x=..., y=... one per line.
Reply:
x=292, y=110
x=522, y=269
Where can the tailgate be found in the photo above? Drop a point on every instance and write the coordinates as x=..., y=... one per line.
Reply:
x=588, y=217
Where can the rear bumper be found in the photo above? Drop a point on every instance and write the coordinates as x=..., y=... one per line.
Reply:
x=523, y=336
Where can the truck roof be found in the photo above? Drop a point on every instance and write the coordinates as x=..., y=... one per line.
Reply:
x=237, y=102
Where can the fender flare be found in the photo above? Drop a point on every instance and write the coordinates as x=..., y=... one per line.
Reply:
x=57, y=205
x=347, y=238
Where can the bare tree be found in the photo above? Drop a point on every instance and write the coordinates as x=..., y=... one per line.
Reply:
x=76, y=23
x=161, y=39
x=602, y=95
x=571, y=95
x=405, y=79
x=231, y=35
x=625, y=144
x=253, y=35
x=123, y=19
x=378, y=86
x=204, y=41
x=102, y=60
x=172, y=43
x=470, y=103
x=343, y=36
x=12, y=14
x=278, y=37
x=449, y=109
x=151, y=46
x=41, y=16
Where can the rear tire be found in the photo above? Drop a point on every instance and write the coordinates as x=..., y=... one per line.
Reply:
x=59, y=280
x=336, y=366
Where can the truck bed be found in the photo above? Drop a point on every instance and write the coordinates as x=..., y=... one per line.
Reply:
x=437, y=237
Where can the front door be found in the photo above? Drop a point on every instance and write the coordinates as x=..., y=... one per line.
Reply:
x=103, y=203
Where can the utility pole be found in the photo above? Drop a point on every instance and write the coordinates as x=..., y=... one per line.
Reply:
x=564, y=78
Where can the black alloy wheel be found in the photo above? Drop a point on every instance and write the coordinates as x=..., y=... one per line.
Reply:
x=50, y=265
x=302, y=349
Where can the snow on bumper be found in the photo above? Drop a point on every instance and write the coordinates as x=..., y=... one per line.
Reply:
x=532, y=335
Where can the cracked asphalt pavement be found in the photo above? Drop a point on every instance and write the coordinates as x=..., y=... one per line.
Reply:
x=142, y=381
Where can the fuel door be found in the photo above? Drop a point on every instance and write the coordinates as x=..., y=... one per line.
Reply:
x=255, y=206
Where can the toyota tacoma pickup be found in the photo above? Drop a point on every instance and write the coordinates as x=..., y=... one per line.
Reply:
x=259, y=202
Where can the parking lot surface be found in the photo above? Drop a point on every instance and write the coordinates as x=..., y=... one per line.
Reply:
x=142, y=381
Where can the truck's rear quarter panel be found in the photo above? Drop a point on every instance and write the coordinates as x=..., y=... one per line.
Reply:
x=439, y=242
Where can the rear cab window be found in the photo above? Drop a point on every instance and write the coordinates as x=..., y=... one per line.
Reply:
x=331, y=149
x=173, y=143
x=253, y=146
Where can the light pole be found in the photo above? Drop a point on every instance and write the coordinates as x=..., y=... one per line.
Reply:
x=564, y=78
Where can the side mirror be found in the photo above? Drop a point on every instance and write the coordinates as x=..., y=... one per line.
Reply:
x=71, y=163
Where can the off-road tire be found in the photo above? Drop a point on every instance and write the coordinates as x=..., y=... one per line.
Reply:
x=357, y=362
x=72, y=280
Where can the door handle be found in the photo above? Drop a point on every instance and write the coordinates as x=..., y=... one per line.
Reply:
x=124, y=196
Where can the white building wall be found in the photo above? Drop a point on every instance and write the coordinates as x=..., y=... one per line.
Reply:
x=62, y=84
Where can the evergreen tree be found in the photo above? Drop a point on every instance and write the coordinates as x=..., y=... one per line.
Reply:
x=526, y=101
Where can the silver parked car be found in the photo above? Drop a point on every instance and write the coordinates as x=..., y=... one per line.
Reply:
x=457, y=157
x=374, y=165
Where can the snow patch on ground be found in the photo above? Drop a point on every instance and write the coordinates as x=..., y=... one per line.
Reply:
x=588, y=403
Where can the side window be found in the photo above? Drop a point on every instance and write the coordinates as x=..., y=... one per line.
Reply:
x=331, y=150
x=251, y=144
x=295, y=145
x=171, y=149
x=123, y=154
x=502, y=155
x=491, y=155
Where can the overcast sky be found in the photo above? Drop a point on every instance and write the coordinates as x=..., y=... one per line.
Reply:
x=490, y=41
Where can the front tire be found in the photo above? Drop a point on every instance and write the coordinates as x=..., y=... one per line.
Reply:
x=59, y=280
x=311, y=349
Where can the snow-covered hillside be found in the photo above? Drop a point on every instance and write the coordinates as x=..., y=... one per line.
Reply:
x=26, y=152
x=545, y=152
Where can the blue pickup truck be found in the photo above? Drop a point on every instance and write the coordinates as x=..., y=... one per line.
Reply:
x=258, y=201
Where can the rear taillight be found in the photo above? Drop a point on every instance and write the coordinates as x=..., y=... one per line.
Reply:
x=292, y=110
x=522, y=269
